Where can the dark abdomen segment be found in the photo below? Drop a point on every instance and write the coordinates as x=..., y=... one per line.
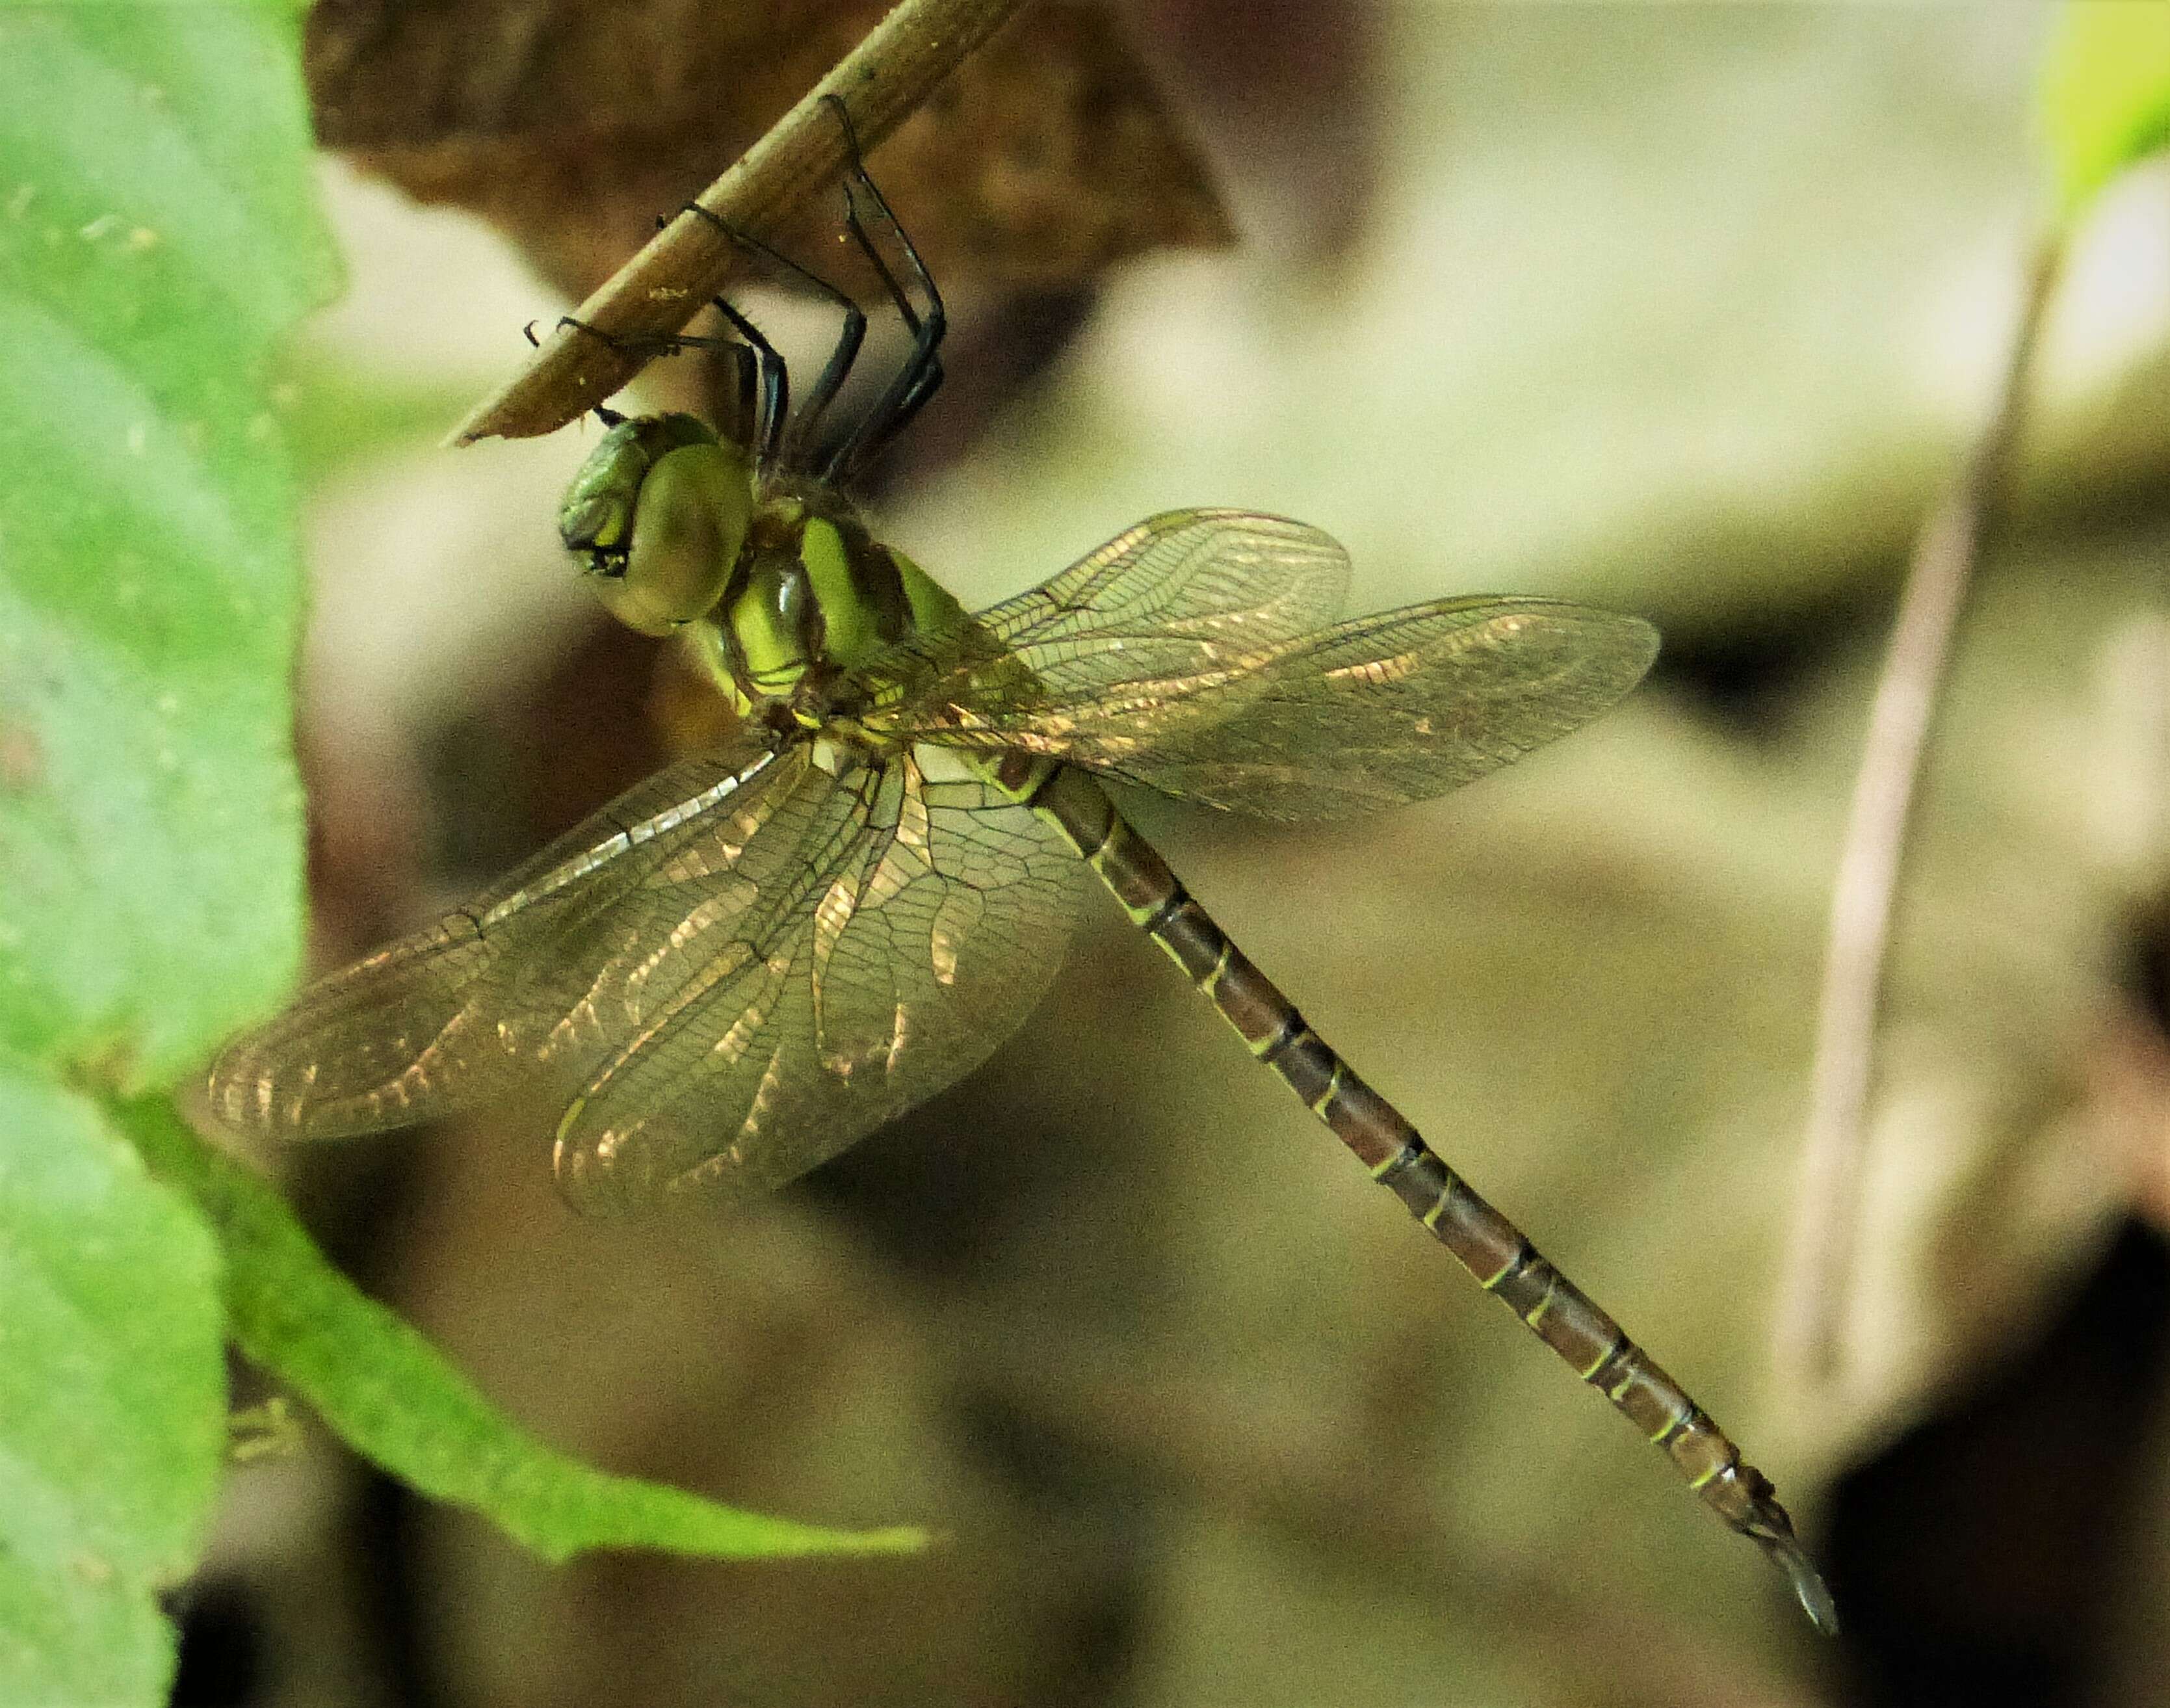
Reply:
x=1488, y=1244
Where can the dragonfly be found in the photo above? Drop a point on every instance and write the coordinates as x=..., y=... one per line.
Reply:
x=771, y=947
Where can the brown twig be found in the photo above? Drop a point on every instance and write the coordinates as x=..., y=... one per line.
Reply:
x=881, y=81
x=1820, y=1263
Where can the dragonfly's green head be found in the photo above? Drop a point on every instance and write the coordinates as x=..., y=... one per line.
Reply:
x=660, y=509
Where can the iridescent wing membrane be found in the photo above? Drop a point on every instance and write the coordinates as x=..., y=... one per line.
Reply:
x=1245, y=708
x=457, y=1012
x=762, y=953
x=1160, y=622
x=904, y=933
x=750, y=962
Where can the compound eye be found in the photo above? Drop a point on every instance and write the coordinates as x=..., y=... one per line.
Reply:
x=594, y=523
x=597, y=513
x=689, y=521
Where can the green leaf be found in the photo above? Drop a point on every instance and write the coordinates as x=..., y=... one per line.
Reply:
x=389, y=1393
x=112, y=1395
x=2106, y=92
x=158, y=236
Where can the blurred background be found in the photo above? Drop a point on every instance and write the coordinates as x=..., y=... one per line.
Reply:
x=1686, y=310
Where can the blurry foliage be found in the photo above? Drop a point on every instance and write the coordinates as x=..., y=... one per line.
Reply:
x=336, y=418
x=2106, y=92
x=159, y=235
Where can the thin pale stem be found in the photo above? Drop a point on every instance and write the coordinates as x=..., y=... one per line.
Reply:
x=881, y=81
x=1821, y=1259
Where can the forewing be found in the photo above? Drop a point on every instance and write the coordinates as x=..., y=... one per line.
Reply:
x=1160, y=612
x=1185, y=654
x=1379, y=710
x=926, y=924
x=549, y=967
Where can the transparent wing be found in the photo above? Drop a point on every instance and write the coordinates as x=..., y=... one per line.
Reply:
x=1380, y=710
x=751, y=961
x=1254, y=717
x=909, y=930
x=550, y=961
x=1162, y=609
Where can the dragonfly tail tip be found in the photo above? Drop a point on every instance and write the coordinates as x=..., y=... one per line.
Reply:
x=1809, y=1586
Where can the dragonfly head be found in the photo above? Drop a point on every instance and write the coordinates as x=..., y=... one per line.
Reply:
x=660, y=511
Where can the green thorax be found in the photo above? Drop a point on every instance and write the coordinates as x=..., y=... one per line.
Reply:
x=776, y=581
x=815, y=594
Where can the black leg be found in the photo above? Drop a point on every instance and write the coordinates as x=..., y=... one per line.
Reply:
x=848, y=340
x=746, y=359
x=775, y=383
x=650, y=344
x=745, y=420
x=921, y=376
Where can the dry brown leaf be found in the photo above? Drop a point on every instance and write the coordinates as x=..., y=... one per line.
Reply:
x=1047, y=156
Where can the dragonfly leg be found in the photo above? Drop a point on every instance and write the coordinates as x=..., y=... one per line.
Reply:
x=920, y=376
x=746, y=403
x=602, y=412
x=775, y=376
x=1493, y=1251
x=849, y=340
x=747, y=361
